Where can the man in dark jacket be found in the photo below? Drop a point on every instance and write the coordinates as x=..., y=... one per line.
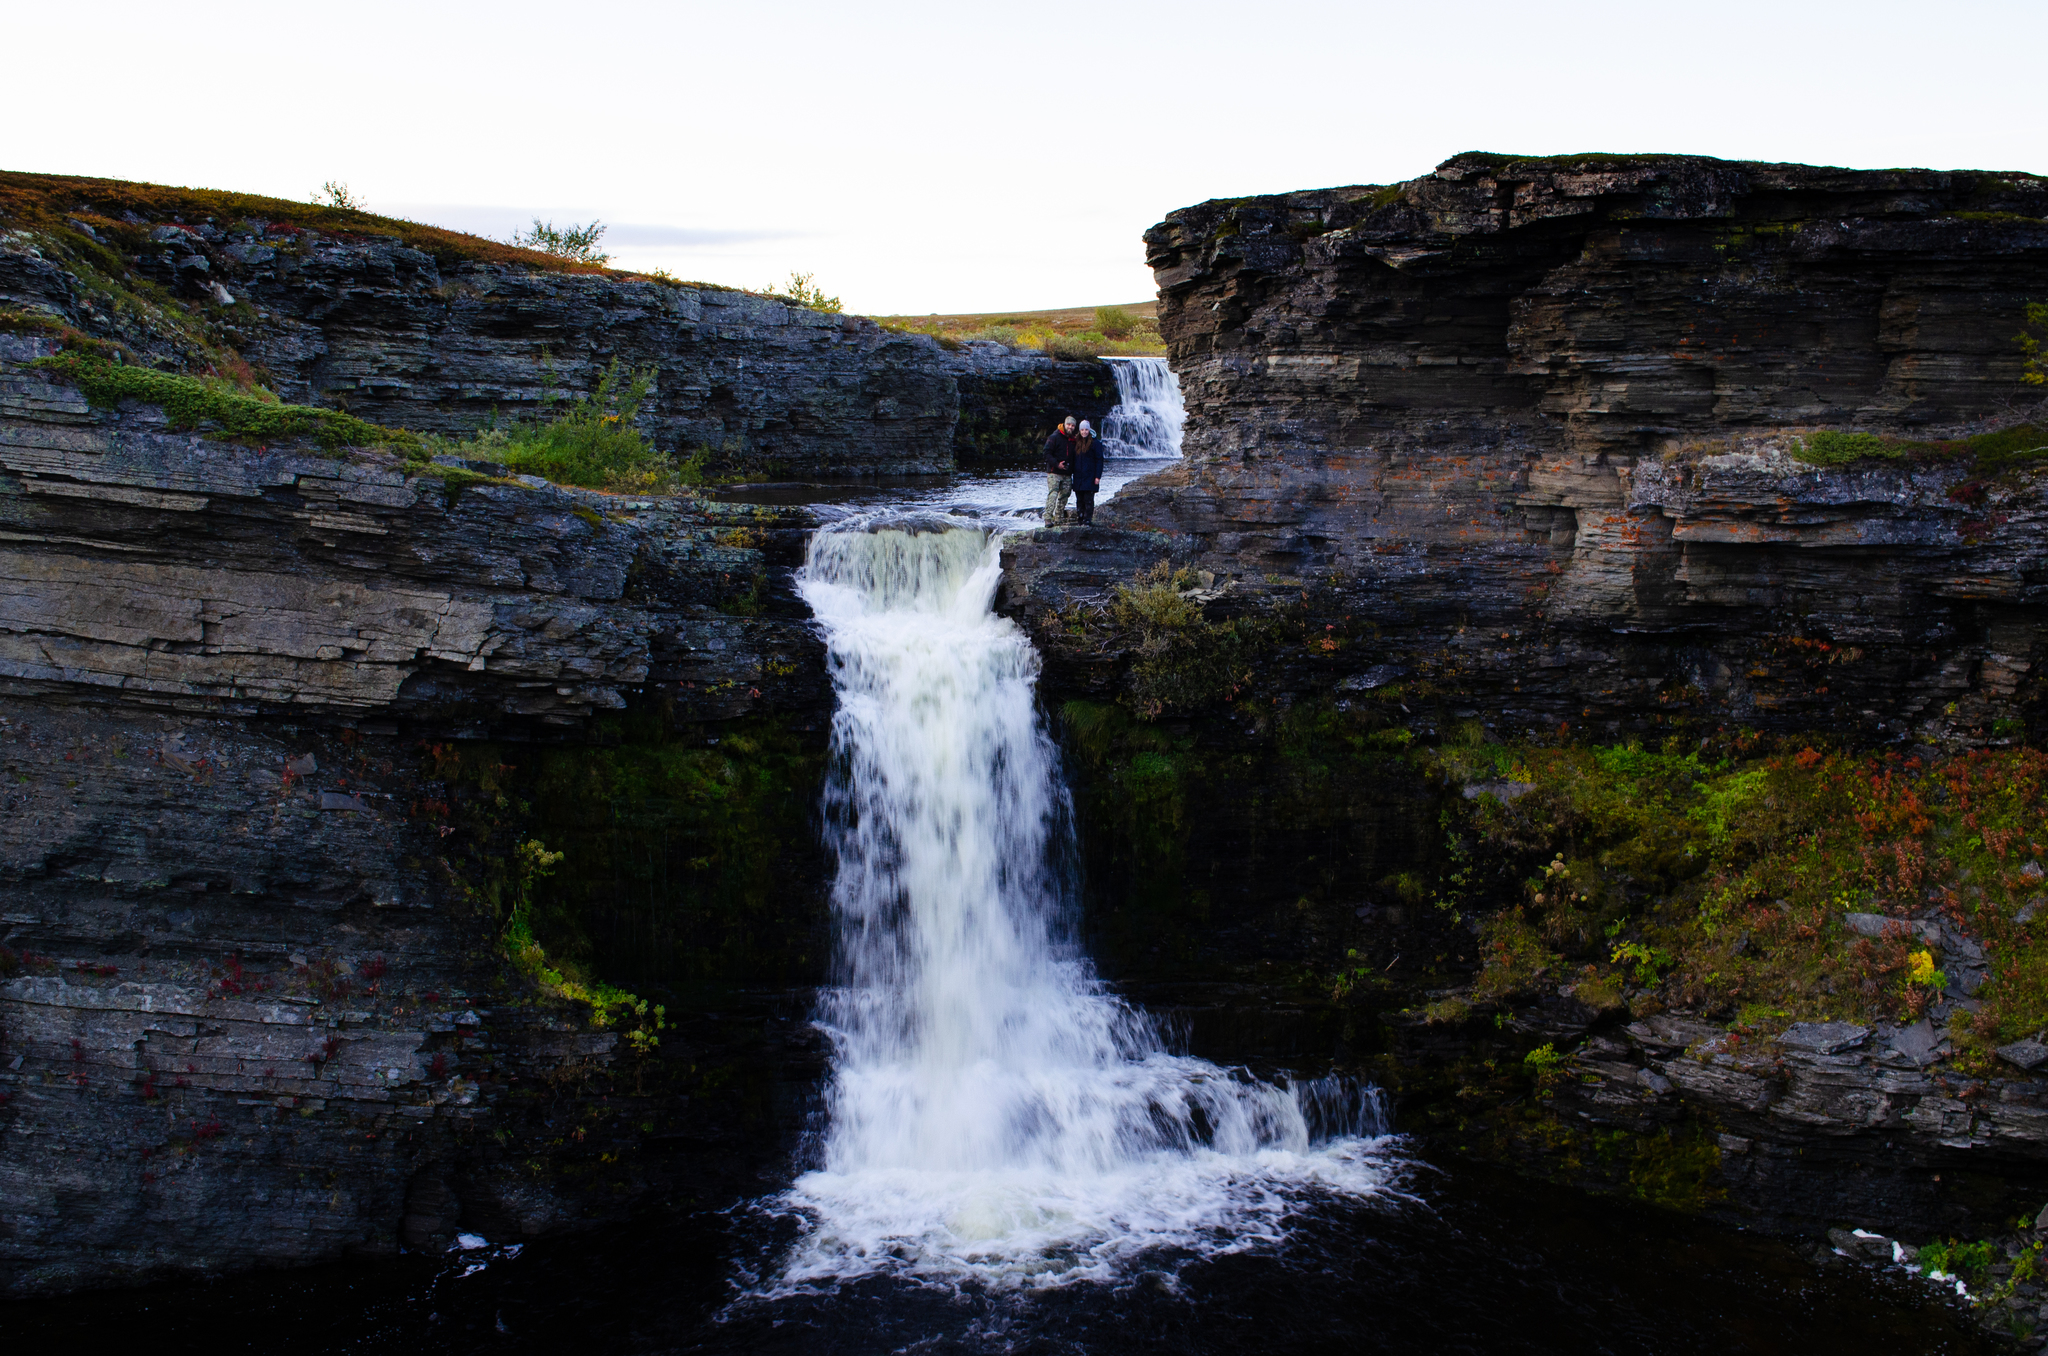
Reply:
x=1059, y=472
x=1087, y=472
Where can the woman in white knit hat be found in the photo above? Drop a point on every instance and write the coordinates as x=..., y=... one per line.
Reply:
x=1087, y=472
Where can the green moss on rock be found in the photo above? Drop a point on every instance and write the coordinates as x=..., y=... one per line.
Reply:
x=190, y=403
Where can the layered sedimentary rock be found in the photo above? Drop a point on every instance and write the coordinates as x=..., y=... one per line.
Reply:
x=1535, y=421
x=391, y=333
x=252, y=1003
x=1528, y=448
x=168, y=569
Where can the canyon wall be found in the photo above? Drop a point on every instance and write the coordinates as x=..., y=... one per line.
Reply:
x=1662, y=452
x=292, y=738
x=1535, y=424
x=275, y=723
x=447, y=340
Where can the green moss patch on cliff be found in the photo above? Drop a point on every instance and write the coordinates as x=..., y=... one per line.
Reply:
x=1219, y=846
x=194, y=403
x=688, y=855
x=2022, y=445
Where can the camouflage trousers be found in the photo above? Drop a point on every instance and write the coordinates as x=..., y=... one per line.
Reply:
x=1057, y=488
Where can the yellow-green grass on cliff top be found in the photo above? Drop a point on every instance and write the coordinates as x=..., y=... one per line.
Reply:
x=1128, y=329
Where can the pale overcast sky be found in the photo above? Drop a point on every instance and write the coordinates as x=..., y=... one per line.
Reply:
x=946, y=157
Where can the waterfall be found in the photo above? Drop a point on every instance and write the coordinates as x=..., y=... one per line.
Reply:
x=994, y=1113
x=1148, y=415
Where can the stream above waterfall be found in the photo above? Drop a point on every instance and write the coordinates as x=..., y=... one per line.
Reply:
x=1139, y=436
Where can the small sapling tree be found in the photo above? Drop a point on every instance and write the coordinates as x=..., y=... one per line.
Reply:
x=578, y=244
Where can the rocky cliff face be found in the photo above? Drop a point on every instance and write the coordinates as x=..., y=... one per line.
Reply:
x=409, y=336
x=1543, y=451
x=1540, y=424
x=286, y=732
x=252, y=1002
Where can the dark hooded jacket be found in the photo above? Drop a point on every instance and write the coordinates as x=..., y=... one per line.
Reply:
x=1059, y=453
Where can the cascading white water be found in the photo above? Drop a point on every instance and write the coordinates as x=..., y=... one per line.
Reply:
x=994, y=1114
x=1148, y=416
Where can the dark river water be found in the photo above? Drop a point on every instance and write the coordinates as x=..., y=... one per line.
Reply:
x=1474, y=1262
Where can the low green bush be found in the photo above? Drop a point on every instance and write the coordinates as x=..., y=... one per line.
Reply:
x=593, y=441
x=801, y=290
x=1115, y=321
x=577, y=244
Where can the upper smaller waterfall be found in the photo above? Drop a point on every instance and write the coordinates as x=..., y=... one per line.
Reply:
x=1148, y=415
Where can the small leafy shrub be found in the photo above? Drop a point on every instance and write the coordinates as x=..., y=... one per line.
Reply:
x=1180, y=659
x=1971, y=1261
x=1005, y=335
x=2029, y=339
x=802, y=290
x=1068, y=350
x=1115, y=321
x=1650, y=962
x=336, y=194
x=591, y=441
x=577, y=244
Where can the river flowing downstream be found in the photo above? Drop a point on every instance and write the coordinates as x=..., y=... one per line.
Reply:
x=994, y=1114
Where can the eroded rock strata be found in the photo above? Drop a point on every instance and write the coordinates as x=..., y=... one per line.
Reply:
x=1533, y=423
x=447, y=339
x=274, y=725
x=1525, y=451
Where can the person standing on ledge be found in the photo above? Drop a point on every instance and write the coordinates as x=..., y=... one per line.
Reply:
x=1087, y=473
x=1059, y=472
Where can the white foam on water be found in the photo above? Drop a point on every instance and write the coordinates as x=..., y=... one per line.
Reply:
x=994, y=1114
x=1149, y=415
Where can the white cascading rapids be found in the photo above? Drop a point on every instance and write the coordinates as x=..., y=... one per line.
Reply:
x=1148, y=416
x=994, y=1114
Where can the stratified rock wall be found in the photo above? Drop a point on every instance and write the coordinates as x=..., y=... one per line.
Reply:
x=252, y=1004
x=1533, y=421
x=383, y=330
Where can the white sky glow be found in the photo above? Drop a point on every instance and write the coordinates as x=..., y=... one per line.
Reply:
x=921, y=157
